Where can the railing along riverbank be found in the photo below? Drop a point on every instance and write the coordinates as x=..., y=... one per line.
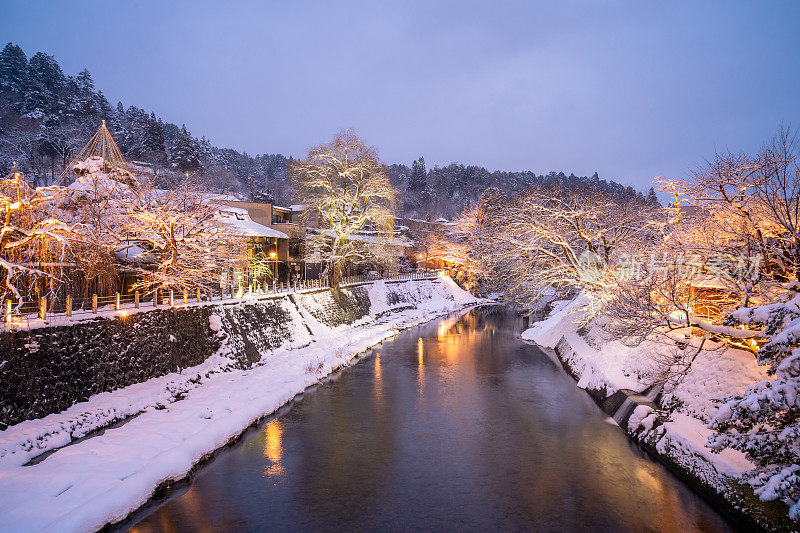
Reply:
x=41, y=312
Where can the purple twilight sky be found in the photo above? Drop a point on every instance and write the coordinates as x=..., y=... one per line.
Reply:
x=627, y=89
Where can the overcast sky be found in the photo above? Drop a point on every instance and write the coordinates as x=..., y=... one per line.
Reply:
x=628, y=89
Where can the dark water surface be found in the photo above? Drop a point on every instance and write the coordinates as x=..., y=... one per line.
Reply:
x=454, y=425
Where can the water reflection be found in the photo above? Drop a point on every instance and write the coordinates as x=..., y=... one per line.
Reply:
x=453, y=425
x=272, y=448
x=420, y=367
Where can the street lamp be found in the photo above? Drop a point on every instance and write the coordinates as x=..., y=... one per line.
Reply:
x=425, y=257
x=274, y=256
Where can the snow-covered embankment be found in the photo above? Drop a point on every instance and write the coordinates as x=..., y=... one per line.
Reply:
x=172, y=422
x=670, y=422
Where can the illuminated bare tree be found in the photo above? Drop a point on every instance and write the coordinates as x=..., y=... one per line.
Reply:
x=566, y=241
x=346, y=190
x=33, y=242
x=180, y=230
x=756, y=200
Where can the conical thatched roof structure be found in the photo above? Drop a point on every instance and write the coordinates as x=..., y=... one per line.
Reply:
x=100, y=153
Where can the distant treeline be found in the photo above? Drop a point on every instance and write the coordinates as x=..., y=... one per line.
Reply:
x=46, y=117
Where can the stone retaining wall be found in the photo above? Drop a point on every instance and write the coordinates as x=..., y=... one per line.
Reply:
x=46, y=370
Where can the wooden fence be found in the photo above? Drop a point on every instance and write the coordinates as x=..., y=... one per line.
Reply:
x=43, y=309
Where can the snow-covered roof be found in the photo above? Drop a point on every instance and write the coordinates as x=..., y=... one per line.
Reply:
x=134, y=254
x=219, y=197
x=297, y=207
x=287, y=209
x=238, y=221
x=395, y=240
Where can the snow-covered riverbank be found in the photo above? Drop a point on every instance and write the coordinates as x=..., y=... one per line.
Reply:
x=182, y=418
x=672, y=422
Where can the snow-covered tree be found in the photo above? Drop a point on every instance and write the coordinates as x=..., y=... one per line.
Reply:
x=565, y=240
x=757, y=200
x=180, y=230
x=346, y=189
x=33, y=242
x=152, y=142
x=14, y=73
x=764, y=421
x=184, y=152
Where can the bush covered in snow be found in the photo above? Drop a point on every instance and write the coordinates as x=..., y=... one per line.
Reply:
x=764, y=421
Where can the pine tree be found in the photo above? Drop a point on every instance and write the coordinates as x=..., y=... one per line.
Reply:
x=87, y=104
x=184, y=153
x=762, y=422
x=38, y=100
x=652, y=198
x=14, y=74
x=153, y=137
x=45, y=69
x=418, y=178
x=105, y=109
x=72, y=107
x=46, y=82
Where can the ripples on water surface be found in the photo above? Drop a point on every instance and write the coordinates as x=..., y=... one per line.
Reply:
x=454, y=425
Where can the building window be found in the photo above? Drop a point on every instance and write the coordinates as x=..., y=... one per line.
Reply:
x=295, y=247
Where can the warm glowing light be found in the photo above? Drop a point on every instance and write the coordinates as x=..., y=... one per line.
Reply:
x=420, y=256
x=420, y=366
x=378, y=377
x=273, y=255
x=123, y=314
x=273, y=448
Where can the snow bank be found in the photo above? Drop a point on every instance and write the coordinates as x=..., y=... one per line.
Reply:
x=565, y=317
x=182, y=418
x=677, y=428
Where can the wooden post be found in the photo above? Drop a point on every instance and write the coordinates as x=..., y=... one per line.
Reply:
x=94, y=303
x=185, y=296
x=136, y=299
x=69, y=305
x=116, y=303
x=172, y=297
x=156, y=297
x=8, y=311
x=43, y=308
x=198, y=294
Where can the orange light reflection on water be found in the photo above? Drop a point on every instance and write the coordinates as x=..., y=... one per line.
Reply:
x=272, y=448
x=420, y=366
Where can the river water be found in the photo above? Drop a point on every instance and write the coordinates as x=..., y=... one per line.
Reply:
x=453, y=425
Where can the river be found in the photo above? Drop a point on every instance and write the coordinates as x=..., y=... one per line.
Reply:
x=452, y=425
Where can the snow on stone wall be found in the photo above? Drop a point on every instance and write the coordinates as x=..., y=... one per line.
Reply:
x=346, y=307
x=46, y=370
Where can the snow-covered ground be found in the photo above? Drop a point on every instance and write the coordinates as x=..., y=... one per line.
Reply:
x=678, y=428
x=182, y=418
